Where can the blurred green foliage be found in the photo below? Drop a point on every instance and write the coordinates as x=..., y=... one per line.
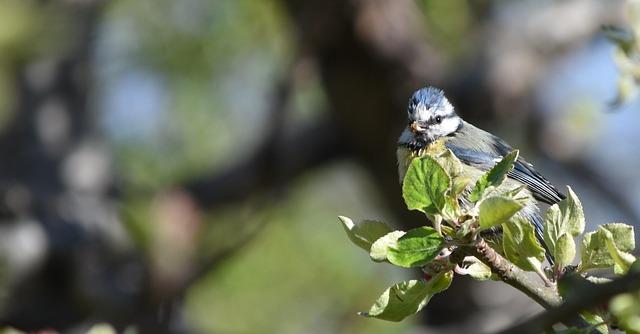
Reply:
x=450, y=23
x=214, y=61
x=323, y=281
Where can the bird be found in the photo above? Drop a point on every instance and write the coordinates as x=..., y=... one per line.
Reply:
x=433, y=119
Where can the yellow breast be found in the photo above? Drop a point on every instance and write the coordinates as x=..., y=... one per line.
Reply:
x=405, y=155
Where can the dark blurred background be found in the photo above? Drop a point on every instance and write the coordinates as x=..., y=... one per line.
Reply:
x=178, y=166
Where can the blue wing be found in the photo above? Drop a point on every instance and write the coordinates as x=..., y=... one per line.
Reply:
x=522, y=172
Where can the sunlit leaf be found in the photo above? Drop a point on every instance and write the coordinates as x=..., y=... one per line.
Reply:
x=407, y=298
x=595, y=320
x=565, y=217
x=364, y=233
x=565, y=250
x=494, y=177
x=416, y=248
x=607, y=247
x=380, y=248
x=425, y=185
x=521, y=245
x=497, y=210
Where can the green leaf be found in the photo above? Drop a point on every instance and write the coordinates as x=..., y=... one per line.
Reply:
x=460, y=183
x=494, y=177
x=364, y=233
x=380, y=248
x=607, y=247
x=440, y=282
x=595, y=320
x=571, y=209
x=622, y=235
x=449, y=163
x=521, y=246
x=622, y=260
x=416, y=248
x=564, y=217
x=407, y=298
x=497, y=210
x=594, y=252
x=425, y=185
x=451, y=209
x=476, y=269
x=565, y=250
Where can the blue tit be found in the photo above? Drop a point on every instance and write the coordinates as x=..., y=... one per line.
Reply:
x=432, y=119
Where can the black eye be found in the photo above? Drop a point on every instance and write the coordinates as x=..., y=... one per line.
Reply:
x=438, y=119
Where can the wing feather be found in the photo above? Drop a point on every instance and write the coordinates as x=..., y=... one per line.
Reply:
x=522, y=172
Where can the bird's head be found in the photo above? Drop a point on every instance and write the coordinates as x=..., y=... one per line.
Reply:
x=431, y=117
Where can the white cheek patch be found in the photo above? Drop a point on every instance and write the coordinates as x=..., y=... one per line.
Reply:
x=447, y=110
x=449, y=125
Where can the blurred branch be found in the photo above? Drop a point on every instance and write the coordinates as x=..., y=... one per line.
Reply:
x=270, y=166
x=585, y=298
x=280, y=157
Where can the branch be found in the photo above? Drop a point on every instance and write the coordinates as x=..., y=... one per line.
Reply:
x=281, y=156
x=270, y=167
x=586, y=297
x=547, y=296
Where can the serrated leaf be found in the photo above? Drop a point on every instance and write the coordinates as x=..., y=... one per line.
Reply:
x=416, y=248
x=494, y=177
x=565, y=250
x=407, y=298
x=622, y=235
x=380, y=248
x=364, y=233
x=425, y=185
x=564, y=217
x=622, y=260
x=595, y=251
x=497, y=210
x=521, y=245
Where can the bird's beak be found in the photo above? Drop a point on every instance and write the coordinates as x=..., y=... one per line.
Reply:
x=415, y=127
